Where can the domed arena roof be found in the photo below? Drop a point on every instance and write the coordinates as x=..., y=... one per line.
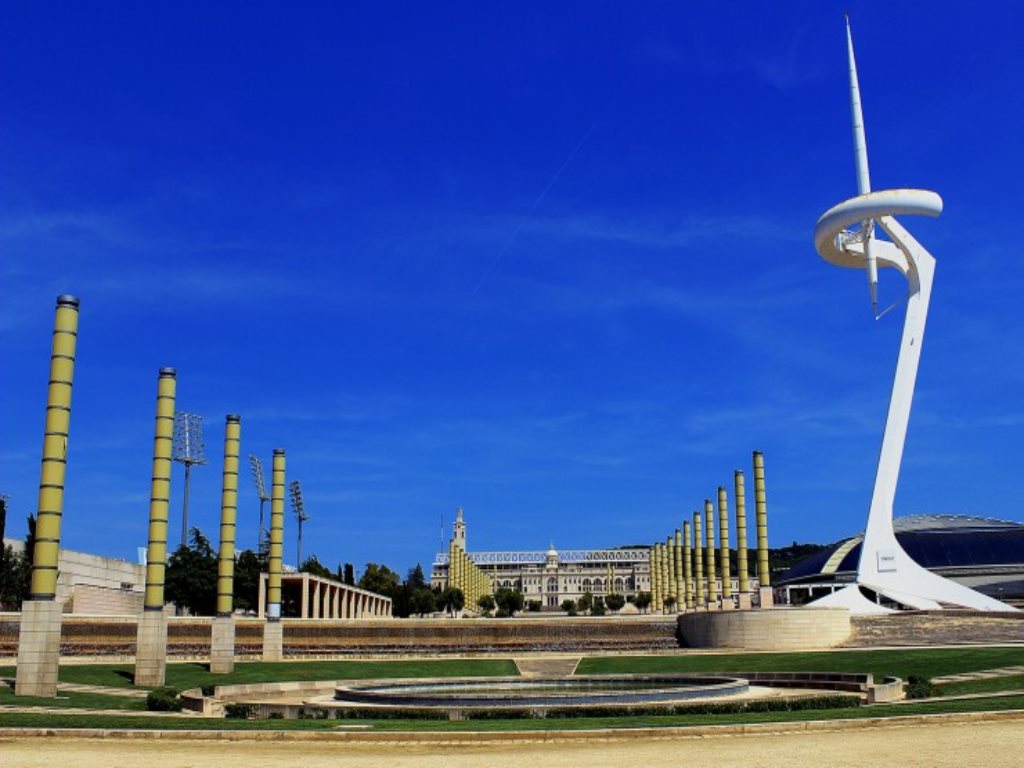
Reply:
x=934, y=541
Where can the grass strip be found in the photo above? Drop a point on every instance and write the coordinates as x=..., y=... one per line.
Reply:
x=901, y=662
x=194, y=675
x=72, y=699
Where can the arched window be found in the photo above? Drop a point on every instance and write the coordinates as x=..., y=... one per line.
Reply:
x=598, y=585
x=552, y=584
x=618, y=585
x=586, y=585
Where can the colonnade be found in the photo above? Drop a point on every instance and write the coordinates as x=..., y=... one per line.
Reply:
x=328, y=599
x=690, y=572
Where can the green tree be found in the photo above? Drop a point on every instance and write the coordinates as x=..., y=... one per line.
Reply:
x=642, y=601
x=585, y=603
x=191, y=576
x=349, y=575
x=452, y=600
x=247, y=580
x=569, y=606
x=16, y=569
x=414, y=578
x=670, y=602
x=380, y=579
x=312, y=565
x=423, y=601
x=508, y=601
x=485, y=603
x=615, y=601
x=597, y=609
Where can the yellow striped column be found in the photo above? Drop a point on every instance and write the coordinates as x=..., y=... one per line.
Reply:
x=677, y=561
x=276, y=536
x=742, y=569
x=709, y=554
x=39, y=631
x=687, y=567
x=723, y=548
x=273, y=632
x=698, y=561
x=151, y=638
x=222, y=642
x=670, y=570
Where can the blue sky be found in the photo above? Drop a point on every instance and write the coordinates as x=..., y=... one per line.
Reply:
x=550, y=264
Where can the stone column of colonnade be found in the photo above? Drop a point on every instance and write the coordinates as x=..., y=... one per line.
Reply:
x=666, y=574
x=39, y=630
x=222, y=639
x=698, y=562
x=151, y=636
x=741, y=541
x=687, y=567
x=723, y=549
x=709, y=554
x=273, y=632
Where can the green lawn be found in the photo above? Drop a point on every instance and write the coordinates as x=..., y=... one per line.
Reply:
x=34, y=720
x=183, y=676
x=994, y=685
x=925, y=662
x=71, y=699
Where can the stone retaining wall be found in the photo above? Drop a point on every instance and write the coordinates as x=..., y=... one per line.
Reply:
x=770, y=629
x=190, y=637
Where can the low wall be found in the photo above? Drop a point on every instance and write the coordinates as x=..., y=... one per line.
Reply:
x=770, y=629
x=190, y=637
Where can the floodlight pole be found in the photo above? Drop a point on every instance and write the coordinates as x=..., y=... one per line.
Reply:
x=298, y=506
x=188, y=450
x=256, y=467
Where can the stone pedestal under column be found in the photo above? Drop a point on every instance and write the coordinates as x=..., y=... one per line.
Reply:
x=273, y=641
x=767, y=597
x=744, y=598
x=151, y=649
x=727, y=604
x=38, y=648
x=222, y=645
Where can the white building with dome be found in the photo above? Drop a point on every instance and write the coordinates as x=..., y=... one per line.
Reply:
x=553, y=576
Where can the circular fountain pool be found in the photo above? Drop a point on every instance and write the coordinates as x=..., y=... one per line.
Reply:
x=539, y=692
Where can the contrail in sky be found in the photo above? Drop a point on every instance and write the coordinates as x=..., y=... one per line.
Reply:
x=540, y=199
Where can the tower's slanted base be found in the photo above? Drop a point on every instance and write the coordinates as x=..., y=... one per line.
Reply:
x=38, y=648
x=909, y=584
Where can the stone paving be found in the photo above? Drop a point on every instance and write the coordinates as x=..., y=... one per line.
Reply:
x=982, y=674
x=550, y=666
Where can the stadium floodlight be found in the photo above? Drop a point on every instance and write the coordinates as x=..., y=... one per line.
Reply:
x=256, y=467
x=299, y=508
x=187, y=448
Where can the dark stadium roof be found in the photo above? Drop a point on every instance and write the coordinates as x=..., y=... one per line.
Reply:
x=934, y=541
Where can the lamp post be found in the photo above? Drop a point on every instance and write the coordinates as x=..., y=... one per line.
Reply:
x=188, y=449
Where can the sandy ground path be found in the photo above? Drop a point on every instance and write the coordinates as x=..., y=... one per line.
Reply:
x=934, y=745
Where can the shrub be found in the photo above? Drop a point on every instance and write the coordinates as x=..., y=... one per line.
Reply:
x=163, y=700
x=920, y=687
x=238, y=711
x=533, y=606
x=276, y=716
x=569, y=606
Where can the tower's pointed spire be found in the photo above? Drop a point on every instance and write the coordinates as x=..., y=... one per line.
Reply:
x=860, y=156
